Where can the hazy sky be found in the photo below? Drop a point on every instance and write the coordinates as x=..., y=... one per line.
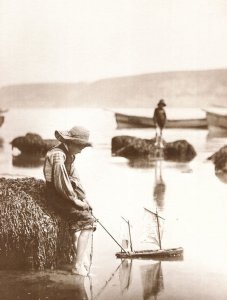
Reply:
x=78, y=40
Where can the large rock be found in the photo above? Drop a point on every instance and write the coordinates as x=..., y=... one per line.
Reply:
x=219, y=159
x=33, y=144
x=31, y=233
x=132, y=147
x=27, y=160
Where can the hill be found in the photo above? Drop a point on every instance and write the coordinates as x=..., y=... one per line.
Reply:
x=182, y=88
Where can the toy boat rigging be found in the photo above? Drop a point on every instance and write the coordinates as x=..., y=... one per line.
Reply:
x=160, y=254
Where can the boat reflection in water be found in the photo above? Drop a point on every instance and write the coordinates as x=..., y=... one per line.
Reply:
x=125, y=275
x=26, y=160
x=152, y=280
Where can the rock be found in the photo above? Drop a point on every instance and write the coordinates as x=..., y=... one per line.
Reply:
x=33, y=143
x=219, y=159
x=133, y=148
x=27, y=160
x=31, y=233
x=179, y=150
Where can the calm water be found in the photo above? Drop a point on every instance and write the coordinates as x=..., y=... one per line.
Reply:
x=194, y=204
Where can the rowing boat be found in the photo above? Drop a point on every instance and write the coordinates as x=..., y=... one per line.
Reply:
x=133, y=121
x=217, y=120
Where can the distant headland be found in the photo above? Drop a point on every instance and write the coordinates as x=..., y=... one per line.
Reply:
x=179, y=88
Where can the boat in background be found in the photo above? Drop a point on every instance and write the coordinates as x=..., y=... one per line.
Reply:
x=133, y=121
x=217, y=120
x=2, y=118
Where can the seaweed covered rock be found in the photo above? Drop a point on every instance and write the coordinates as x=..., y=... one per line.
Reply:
x=179, y=150
x=31, y=233
x=27, y=160
x=33, y=143
x=219, y=159
x=133, y=147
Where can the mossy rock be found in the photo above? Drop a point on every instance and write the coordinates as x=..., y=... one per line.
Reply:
x=33, y=143
x=219, y=158
x=31, y=233
x=133, y=148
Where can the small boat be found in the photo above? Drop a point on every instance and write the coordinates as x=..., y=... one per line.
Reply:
x=217, y=120
x=132, y=121
x=2, y=119
x=160, y=254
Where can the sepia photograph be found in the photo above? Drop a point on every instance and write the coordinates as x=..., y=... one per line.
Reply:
x=113, y=149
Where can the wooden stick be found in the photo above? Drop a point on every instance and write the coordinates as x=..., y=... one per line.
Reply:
x=110, y=235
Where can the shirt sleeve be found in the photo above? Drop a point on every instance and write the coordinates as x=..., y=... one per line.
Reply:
x=75, y=179
x=61, y=179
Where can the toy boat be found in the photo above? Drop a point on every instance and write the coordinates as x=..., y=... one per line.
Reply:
x=160, y=254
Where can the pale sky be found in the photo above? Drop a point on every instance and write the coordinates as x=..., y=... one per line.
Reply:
x=81, y=40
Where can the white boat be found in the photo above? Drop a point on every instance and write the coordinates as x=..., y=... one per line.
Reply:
x=217, y=120
x=134, y=121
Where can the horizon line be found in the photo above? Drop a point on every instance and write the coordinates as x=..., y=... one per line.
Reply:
x=109, y=78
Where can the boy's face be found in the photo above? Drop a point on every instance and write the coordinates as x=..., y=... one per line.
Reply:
x=75, y=148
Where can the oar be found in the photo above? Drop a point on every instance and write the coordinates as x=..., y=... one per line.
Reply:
x=110, y=235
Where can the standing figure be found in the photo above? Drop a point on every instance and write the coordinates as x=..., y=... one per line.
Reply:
x=159, y=118
x=66, y=194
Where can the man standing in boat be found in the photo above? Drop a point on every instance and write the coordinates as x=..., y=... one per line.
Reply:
x=159, y=119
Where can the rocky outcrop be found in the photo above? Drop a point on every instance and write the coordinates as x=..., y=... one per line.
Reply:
x=219, y=159
x=27, y=160
x=33, y=143
x=132, y=147
x=31, y=233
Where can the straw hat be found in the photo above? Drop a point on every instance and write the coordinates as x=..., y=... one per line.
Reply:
x=161, y=103
x=77, y=134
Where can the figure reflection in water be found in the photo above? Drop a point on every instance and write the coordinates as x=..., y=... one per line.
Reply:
x=159, y=187
x=152, y=280
x=80, y=291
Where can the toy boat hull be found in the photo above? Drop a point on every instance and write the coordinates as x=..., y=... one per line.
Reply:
x=162, y=254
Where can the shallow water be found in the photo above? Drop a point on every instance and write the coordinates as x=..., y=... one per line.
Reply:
x=191, y=198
